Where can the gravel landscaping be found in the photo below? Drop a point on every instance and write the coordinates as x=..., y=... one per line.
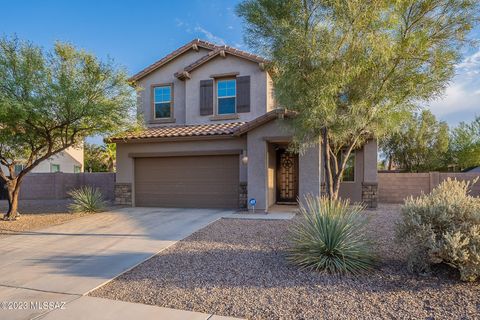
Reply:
x=36, y=214
x=238, y=268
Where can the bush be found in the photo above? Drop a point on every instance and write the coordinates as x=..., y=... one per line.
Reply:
x=87, y=199
x=443, y=227
x=331, y=237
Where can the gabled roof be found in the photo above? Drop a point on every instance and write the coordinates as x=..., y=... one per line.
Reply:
x=267, y=117
x=219, y=51
x=194, y=44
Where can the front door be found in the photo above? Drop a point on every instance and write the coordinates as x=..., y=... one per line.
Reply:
x=287, y=176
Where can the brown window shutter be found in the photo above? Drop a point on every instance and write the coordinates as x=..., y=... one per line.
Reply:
x=243, y=94
x=206, y=97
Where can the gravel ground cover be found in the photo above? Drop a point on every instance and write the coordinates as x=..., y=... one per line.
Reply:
x=36, y=214
x=238, y=268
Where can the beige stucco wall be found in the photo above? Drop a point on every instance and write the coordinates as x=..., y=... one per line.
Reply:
x=365, y=171
x=164, y=75
x=126, y=164
x=259, y=168
x=220, y=65
x=67, y=160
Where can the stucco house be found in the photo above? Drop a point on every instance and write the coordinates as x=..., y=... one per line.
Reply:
x=68, y=161
x=215, y=137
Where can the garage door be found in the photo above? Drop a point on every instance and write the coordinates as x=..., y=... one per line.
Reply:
x=187, y=182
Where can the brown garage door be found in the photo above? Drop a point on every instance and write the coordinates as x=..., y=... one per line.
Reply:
x=187, y=182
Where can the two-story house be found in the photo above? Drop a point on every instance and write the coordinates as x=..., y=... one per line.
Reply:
x=214, y=138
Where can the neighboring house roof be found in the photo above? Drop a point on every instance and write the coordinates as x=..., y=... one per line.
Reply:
x=194, y=45
x=474, y=170
x=199, y=131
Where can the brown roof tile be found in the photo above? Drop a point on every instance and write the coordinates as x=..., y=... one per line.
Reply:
x=201, y=130
x=216, y=50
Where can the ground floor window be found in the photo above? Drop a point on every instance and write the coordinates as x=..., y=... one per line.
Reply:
x=18, y=168
x=349, y=172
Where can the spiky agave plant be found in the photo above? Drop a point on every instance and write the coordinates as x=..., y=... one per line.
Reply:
x=87, y=199
x=331, y=237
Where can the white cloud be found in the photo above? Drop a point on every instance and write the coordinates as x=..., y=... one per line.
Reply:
x=210, y=36
x=463, y=95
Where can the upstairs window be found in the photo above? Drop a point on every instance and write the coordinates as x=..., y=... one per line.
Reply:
x=54, y=168
x=227, y=96
x=162, y=102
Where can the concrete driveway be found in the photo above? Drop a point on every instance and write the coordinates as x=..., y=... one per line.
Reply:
x=65, y=262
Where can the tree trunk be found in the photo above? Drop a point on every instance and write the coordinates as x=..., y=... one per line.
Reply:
x=327, y=165
x=13, y=187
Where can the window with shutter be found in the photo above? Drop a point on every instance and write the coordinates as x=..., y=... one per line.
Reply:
x=243, y=94
x=206, y=97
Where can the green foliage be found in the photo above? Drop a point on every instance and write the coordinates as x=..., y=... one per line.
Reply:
x=465, y=144
x=50, y=101
x=100, y=158
x=443, y=227
x=87, y=199
x=331, y=237
x=420, y=144
x=353, y=69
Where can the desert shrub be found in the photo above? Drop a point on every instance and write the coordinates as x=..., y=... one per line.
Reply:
x=443, y=227
x=330, y=236
x=87, y=199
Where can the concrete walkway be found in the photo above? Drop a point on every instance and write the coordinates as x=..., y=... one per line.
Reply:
x=63, y=263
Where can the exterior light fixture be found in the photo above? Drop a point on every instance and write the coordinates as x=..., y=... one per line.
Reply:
x=244, y=157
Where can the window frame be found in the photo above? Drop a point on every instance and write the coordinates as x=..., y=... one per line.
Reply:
x=51, y=167
x=217, y=109
x=354, y=154
x=18, y=165
x=152, y=102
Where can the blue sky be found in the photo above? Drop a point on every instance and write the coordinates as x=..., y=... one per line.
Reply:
x=137, y=33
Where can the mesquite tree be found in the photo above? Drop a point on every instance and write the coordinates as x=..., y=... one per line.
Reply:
x=50, y=101
x=353, y=69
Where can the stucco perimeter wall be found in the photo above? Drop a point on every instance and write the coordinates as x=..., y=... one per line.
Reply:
x=54, y=186
x=395, y=187
x=260, y=184
x=126, y=153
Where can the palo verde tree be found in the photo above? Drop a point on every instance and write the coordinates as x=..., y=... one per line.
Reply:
x=352, y=69
x=50, y=101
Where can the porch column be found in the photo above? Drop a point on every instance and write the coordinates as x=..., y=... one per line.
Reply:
x=257, y=171
x=310, y=172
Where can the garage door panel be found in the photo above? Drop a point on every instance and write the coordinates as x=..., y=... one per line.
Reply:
x=200, y=181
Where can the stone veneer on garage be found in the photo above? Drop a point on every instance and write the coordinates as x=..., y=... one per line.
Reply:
x=123, y=193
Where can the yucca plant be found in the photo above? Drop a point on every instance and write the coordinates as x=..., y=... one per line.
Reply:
x=331, y=237
x=87, y=199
